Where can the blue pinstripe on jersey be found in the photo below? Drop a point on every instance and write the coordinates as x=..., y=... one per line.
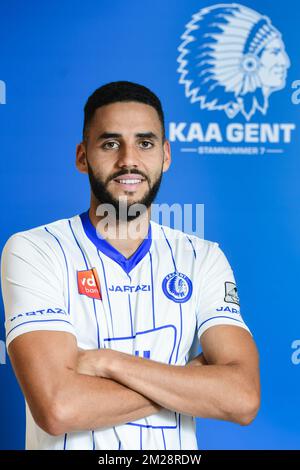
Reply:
x=107, y=293
x=192, y=246
x=65, y=258
x=87, y=267
x=95, y=313
x=219, y=316
x=179, y=429
x=36, y=321
x=151, y=426
x=152, y=290
x=130, y=312
x=163, y=436
x=65, y=441
x=180, y=307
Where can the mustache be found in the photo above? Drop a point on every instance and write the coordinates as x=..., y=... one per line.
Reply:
x=121, y=173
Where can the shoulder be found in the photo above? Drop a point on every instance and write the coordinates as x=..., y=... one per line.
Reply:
x=206, y=254
x=182, y=240
x=41, y=241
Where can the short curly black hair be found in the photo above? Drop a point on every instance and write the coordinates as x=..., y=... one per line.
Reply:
x=120, y=91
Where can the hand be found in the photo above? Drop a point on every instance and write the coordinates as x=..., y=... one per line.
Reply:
x=85, y=362
x=94, y=362
x=198, y=361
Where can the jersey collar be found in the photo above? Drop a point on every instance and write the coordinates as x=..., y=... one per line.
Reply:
x=127, y=264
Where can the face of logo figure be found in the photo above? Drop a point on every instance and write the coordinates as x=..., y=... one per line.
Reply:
x=274, y=63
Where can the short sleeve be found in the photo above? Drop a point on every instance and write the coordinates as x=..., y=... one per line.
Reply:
x=218, y=302
x=32, y=288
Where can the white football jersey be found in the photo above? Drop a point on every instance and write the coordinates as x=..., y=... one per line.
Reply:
x=65, y=277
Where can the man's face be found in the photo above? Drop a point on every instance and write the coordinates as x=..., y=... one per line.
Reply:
x=274, y=63
x=124, y=154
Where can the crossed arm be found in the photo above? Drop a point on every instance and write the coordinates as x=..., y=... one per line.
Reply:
x=70, y=390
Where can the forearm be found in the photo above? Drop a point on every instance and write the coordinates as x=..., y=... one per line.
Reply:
x=84, y=402
x=211, y=391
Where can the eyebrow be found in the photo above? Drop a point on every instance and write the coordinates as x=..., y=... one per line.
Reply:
x=115, y=135
x=272, y=48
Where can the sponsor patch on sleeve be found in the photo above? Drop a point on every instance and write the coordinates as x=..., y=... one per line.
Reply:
x=231, y=294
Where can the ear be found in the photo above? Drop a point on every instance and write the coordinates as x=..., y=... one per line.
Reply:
x=81, y=162
x=167, y=155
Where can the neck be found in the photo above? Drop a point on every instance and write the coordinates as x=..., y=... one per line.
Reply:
x=124, y=236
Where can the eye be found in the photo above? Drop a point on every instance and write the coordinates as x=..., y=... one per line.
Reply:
x=276, y=51
x=110, y=145
x=146, y=144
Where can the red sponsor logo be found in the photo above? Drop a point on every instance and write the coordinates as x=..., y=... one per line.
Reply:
x=88, y=283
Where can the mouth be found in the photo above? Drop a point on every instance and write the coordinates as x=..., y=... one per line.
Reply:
x=129, y=182
x=280, y=72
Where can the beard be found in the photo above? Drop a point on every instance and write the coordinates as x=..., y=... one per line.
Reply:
x=121, y=208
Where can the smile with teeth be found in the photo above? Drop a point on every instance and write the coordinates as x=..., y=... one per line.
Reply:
x=131, y=181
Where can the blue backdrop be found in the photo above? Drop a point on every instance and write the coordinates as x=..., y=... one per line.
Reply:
x=55, y=53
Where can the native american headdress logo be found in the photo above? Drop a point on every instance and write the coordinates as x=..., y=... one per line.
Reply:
x=232, y=59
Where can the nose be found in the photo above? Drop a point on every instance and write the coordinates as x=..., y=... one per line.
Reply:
x=283, y=58
x=287, y=61
x=128, y=156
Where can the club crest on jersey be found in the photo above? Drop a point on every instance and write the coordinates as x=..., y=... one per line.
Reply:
x=177, y=287
x=88, y=283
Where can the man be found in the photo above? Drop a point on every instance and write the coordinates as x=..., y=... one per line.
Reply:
x=100, y=326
